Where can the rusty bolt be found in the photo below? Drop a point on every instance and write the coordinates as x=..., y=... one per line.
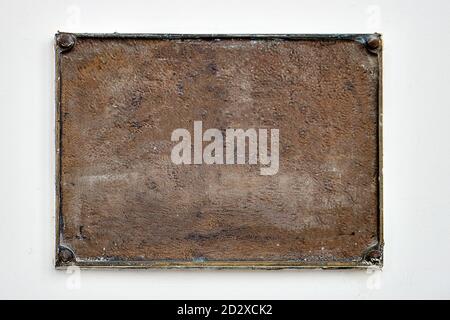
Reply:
x=65, y=255
x=65, y=40
x=374, y=256
x=373, y=42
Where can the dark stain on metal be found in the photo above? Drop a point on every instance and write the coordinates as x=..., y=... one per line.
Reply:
x=121, y=202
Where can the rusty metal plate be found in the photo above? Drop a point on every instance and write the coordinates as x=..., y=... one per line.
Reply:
x=225, y=151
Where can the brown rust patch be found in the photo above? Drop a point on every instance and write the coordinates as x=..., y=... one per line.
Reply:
x=123, y=202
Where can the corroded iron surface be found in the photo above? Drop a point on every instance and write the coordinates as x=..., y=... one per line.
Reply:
x=123, y=202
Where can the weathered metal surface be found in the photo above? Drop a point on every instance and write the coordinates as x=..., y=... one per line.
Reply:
x=122, y=201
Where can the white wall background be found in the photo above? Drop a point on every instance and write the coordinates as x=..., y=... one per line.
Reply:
x=416, y=145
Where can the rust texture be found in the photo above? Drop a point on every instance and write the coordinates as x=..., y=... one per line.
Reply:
x=122, y=202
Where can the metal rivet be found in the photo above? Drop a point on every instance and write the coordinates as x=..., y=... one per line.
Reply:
x=65, y=41
x=65, y=255
x=373, y=42
x=374, y=256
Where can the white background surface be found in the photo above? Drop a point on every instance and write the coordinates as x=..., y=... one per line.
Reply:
x=416, y=145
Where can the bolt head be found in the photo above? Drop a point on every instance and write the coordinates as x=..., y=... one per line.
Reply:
x=65, y=40
x=374, y=256
x=373, y=42
x=65, y=255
